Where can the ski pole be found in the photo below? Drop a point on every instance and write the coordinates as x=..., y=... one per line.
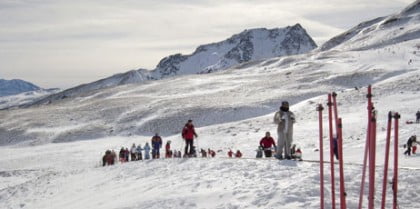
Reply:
x=395, y=179
x=341, y=164
x=330, y=124
x=372, y=156
x=367, y=148
x=321, y=155
x=388, y=137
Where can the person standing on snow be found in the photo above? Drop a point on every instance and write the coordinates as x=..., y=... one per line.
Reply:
x=138, y=152
x=284, y=120
x=267, y=143
x=146, y=151
x=188, y=133
x=133, y=152
x=156, y=145
x=168, y=152
x=410, y=143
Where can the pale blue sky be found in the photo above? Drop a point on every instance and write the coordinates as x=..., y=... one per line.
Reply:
x=62, y=43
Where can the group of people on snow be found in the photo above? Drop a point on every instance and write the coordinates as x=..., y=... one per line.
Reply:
x=284, y=119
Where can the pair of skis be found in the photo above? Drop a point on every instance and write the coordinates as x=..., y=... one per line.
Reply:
x=333, y=122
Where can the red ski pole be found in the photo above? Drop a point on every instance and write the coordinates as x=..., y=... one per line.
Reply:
x=395, y=179
x=372, y=163
x=330, y=123
x=367, y=147
x=388, y=139
x=321, y=155
x=341, y=165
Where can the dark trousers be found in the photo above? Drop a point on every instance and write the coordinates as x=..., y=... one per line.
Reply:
x=189, y=143
x=268, y=153
x=408, y=151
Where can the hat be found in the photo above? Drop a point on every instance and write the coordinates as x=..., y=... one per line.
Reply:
x=189, y=120
x=285, y=104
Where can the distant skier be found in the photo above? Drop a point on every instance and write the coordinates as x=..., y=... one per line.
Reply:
x=259, y=152
x=188, y=133
x=284, y=120
x=156, y=145
x=133, y=152
x=230, y=153
x=139, y=153
x=122, y=155
x=409, y=144
x=146, y=151
x=203, y=153
x=211, y=153
x=126, y=154
x=267, y=143
x=114, y=157
x=107, y=159
x=418, y=117
x=238, y=154
x=168, y=152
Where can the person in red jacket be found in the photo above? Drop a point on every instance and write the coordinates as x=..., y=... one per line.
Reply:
x=230, y=153
x=267, y=143
x=238, y=154
x=188, y=133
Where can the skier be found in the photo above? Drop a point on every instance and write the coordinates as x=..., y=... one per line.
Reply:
x=188, y=133
x=284, y=120
x=211, y=153
x=146, y=151
x=203, y=153
x=114, y=157
x=156, y=145
x=107, y=159
x=418, y=117
x=259, y=152
x=267, y=143
x=410, y=143
x=238, y=154
x=122, y=155
x=168, y=152
x=138, y=152
x=133, y=152
x=230, y=153
x=126, y=154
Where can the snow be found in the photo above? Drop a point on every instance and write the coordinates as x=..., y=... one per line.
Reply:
x=51, y=153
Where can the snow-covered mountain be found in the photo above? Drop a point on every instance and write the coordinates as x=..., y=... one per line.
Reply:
x=249, y=45
x=380, y=32
x=244, y=91
x=15, y=86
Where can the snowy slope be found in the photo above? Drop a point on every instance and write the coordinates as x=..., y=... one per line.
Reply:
x=380, y=32
x=249, y=45
x=17, y=100
x=232, y=109
x=15, y=86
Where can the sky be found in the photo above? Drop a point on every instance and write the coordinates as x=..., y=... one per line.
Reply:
x=64, y=43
